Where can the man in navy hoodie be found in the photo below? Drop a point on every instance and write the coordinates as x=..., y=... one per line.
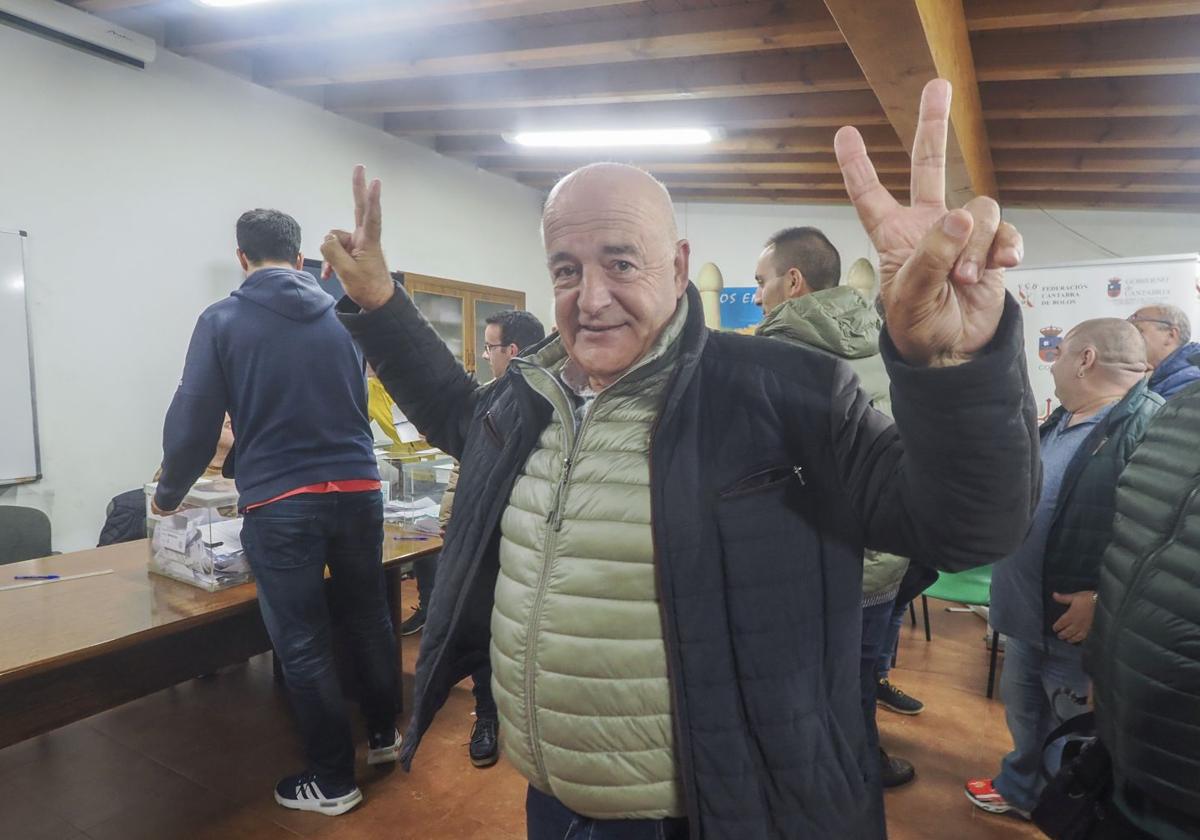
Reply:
x=274, y=355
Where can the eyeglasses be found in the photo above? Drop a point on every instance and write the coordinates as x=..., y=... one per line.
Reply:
x=492, y=348
x=1133, y=319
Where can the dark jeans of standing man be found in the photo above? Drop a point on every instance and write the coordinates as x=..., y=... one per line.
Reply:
x=876, y=621
x=425, y=571
x=548, y=819
x=289, y=543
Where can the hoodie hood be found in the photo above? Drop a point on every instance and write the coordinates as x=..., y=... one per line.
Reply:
x=287, y=292
x=838, y=320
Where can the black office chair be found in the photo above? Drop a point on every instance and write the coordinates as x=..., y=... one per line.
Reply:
x=24, y=534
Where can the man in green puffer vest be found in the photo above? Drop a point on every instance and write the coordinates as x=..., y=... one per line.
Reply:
x=797, y=276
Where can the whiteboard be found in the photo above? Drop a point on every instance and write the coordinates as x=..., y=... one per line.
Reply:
x=19, y=458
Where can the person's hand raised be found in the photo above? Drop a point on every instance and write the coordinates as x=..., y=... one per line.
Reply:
x=357, y=258
x=941, y=273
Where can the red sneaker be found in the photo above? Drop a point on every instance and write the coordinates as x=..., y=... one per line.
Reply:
x=984, y=796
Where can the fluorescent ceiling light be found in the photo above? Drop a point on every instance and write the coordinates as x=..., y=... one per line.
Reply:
x=600, y=139
x=228, y=4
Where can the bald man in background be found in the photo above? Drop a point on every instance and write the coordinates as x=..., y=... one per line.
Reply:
x=1044, y=596
x=659, y=529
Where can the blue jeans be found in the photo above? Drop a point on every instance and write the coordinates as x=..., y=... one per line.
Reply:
x=887, y=651
x=289, y=543
x=1042, y=685
x=548, y=819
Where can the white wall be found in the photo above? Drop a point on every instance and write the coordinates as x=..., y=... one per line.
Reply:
x=732, y=235
x=129, y=183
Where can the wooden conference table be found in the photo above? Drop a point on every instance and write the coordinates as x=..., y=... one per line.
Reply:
x=73, y=648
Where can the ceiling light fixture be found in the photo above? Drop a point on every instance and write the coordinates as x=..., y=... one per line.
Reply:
x=600, y=139
x=229, y=4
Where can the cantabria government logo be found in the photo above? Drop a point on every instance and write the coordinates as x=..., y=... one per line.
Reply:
x=1048, y=344
x=1114, y=287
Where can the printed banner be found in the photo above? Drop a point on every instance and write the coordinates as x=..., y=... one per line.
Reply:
x=1055, y=298
x=738, y=309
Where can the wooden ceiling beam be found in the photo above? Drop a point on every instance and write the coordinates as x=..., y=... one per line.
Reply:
x=765, y=197
x=100, y=7
x=707, y=77
x=1132, y=96
x=793, y=141
x=743, y=182
x=1106, y=182
x=900, y=46
x=1097, y=160
x=274, y=27
x=1026, y=14
x=1153, y=48
x=807, y=110
x=715, y=31
x=1143, y=133
x=1172, y=203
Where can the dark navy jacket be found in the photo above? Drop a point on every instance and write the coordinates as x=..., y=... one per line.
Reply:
x=1176, y=372
x=769, y=474
x=273, y=355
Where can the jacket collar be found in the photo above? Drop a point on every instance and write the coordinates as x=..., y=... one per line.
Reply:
x=1127, y=406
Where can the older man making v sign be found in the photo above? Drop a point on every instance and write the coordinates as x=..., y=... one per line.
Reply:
x=660, y=529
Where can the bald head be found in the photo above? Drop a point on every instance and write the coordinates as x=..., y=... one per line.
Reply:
x=619, y=183
x=1100, y=361
x=1120, y=351
x=617, y=263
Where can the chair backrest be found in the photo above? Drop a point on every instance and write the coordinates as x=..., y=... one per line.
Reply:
x=972, y=587
x=24, y=534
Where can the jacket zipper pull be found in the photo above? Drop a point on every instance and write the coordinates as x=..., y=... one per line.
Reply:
x=554, y=517
x=799, y=471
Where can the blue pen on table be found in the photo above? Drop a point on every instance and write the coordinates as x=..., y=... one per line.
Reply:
x=36, y=577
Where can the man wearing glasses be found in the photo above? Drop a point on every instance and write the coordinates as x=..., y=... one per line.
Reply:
x=1169, y=348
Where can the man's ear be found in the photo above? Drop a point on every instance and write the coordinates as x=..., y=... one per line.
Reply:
x=1088, y=357
x=683, y=253
x=245, y=263
x=796, y=283
x=299, y=261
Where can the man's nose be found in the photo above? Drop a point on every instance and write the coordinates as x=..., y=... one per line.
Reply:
x=758, y=296
x=594, y=293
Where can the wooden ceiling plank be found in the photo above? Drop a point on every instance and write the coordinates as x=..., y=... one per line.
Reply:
x=705, y=77
x=1106, y=182
x=1143, y=133
x=753, y=27
x=271, y=28
x=1024, y=14
x=1154, y=48
x=1172, y=203
x=887, y=162
x=1097, y=160
x=808, y=110
x=1134, y=96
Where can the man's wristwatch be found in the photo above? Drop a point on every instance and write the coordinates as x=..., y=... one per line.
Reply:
x=1095, y=596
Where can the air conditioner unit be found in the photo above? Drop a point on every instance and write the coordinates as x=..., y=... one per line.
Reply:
x=67, y=25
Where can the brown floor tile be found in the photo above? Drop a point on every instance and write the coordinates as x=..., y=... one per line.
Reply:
x=199, y=762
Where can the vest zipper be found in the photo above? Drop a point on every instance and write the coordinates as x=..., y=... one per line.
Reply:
x=554, y=520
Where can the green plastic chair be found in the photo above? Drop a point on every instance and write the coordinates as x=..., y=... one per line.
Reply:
x=971, y=588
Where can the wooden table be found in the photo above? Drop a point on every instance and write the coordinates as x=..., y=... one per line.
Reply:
x=73, y=648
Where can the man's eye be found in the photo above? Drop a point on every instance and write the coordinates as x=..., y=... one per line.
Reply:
x=623, y=265
x=564, y=272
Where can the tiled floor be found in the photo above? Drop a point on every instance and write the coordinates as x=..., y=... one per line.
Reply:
x=199, y=761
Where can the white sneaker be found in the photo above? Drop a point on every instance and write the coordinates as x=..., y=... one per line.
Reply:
x=381, y=750
x=305, y=793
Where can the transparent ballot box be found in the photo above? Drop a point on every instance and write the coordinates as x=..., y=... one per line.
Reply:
x=417, y=496
x=201, y=543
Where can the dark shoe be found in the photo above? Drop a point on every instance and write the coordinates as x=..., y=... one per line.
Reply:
x=485, y=742
x=895, y=771
x=383, y=747
x=414, y=622
x=895, y=700
x=305, y=792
